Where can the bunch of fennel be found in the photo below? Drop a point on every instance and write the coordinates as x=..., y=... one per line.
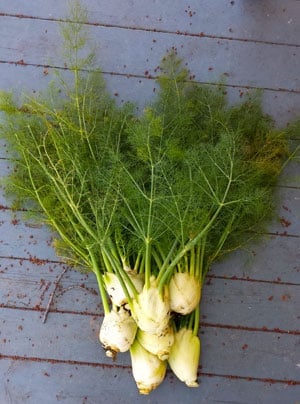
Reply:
x=147, y=202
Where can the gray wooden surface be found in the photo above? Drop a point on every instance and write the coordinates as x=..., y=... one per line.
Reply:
x=250, y=306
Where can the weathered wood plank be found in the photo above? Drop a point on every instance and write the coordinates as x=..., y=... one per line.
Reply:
x=35, y=382
x=24, y=284
x=274, y=258
x=251, y=304
x=63, y=337
x=226, y=351
x=291, y=173
x=121, y=56
x=267, y=21
x=288, y=214
x=24, y=238
x=231, y=302
x=71, y=337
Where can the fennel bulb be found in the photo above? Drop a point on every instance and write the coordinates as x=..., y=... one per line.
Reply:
x=115, y=290
x=185, y=292
x=147, y=369
x=157, y=344
x=117, y=332
x=184, y=356
x=151, y=309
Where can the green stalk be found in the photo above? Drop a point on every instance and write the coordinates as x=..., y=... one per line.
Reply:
x=148, y=240
x=137, y=262
x=147, y=262
x=192, y=269
x=191, y=318
x=157, y=258
x=201, y=258
x=196, y=320
x=166, y=262
x=142, y=265
x=107, y=264
x=100, y=281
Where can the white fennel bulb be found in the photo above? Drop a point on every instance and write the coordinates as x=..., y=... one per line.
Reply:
x=147, y=369
x=151, y=309
x=184, y=356
x=117, y=332
x=114, y=288
x=185, y=293
x=158, y=344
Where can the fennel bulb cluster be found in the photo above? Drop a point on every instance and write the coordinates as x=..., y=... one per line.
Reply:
x=143, y=323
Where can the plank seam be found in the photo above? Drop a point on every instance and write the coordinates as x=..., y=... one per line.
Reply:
x=154, y=30
x=276, y=330
x=290, y=382
x=248, y=279
x=21, y=62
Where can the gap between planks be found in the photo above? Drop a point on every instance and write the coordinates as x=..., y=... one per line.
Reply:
x=154, y=30
x=21, y=62
x=290, y=382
